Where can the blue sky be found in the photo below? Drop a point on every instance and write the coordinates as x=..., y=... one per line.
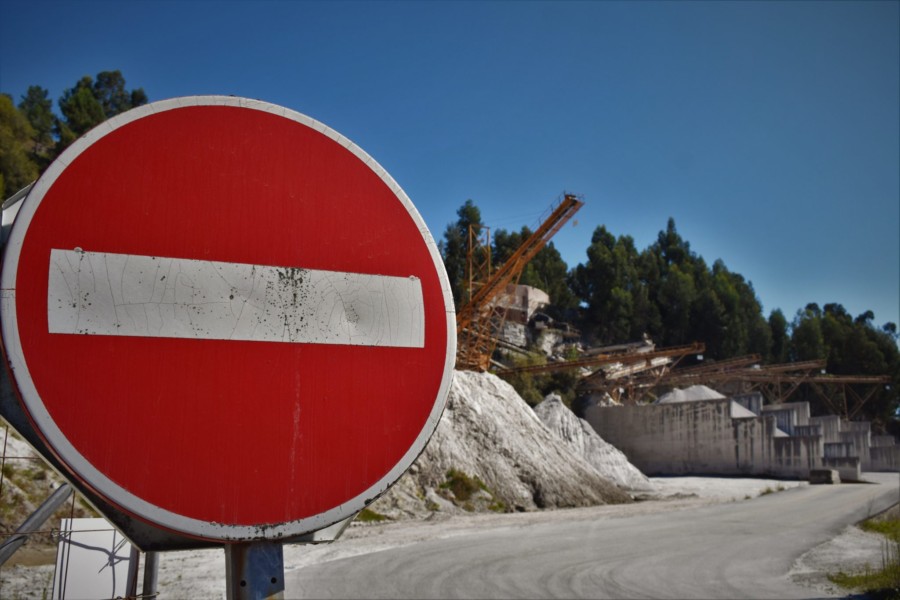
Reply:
x=770, y=131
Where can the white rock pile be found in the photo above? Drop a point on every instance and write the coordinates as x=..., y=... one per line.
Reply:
x=488, y=431
x=581, y=438
x=693, y=393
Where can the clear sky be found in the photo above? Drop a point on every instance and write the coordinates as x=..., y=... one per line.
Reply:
x=770, y=131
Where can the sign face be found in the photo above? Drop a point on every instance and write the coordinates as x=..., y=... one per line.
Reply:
x=226, y=319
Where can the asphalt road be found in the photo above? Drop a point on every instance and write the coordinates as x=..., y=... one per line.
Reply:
x=733, y=550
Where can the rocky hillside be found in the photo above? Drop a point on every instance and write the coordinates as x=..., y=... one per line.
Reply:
x=491, y=451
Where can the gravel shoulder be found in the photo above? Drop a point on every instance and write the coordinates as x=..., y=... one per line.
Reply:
x=852, y=551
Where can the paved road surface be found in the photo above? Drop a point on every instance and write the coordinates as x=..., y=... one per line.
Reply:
x=732, y=550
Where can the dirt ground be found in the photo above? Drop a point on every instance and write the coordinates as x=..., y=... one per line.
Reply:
x=200, y=573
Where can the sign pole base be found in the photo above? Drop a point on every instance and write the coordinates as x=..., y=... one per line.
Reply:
x=254, y=571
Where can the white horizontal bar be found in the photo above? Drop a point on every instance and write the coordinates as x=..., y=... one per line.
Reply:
x=99, y=293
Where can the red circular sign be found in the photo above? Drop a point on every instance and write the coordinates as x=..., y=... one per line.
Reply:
x=227, y=319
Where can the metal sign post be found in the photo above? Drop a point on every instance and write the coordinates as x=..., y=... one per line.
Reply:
x=254, y=571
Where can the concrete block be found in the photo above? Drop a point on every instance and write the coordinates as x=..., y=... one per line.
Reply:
x=808, y=430
x=884, y=458
x=860, y=426
x=831, y=427
x=752, y=401
x=839, y=450
x=796, y=456
x=801, y=409
x=789, y=415
x=847, y=467
x=862, y=440
x=883, y=441
x=824, y=476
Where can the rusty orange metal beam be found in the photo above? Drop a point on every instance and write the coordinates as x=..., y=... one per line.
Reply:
x=722, y=365
x=514, y=265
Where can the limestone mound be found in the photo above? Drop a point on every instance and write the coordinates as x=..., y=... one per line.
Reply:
x=693, y=393
x=488, y=431
x=581, y=438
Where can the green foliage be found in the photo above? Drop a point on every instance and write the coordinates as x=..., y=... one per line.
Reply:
x=668, y=293
x=889, y=528
x=17, y=168
x=461, y=485
x=778, y=330
x=463, y=489
x=807, y=341
x=90, y=102
x=770, y=490
x=38, y=109
x=32, y=136
x=608, y=284
x=81, y=112
x=367, y=515
x=525, y=386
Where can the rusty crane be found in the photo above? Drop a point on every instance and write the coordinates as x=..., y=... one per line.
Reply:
x=480, y=320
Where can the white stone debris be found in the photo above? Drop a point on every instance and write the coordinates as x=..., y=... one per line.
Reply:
x=581, y=438
x=488, y=431
x=690, y=394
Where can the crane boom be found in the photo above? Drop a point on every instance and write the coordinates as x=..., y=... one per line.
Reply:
x=476, y=321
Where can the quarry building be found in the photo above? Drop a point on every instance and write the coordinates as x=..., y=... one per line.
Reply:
x=739, y=435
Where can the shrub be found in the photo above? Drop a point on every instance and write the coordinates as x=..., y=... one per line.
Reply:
x=367, y=515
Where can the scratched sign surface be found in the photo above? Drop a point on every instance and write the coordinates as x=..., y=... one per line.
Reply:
x=246, y=292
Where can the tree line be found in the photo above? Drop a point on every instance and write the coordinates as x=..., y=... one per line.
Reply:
x=670, y=293
x=32, y=136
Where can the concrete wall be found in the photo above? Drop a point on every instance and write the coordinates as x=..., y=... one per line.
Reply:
x=677, y=438
x=861, y=440
x=707, y=438
x=880, y=441
x=839, y=450
x=789, y=415
x=860, y=433
x=806, y=430
x=831, y=427
x=884, y=458
x=861, y=426
x=847, y=467
x=796, y=455
x=753, y=441
x=752, y=401
x=702, y=438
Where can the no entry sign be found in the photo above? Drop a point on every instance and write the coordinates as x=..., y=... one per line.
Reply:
x=227, y=319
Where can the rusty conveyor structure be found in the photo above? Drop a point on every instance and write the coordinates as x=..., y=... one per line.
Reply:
x=626, y=358
x=614, y=371
x=845, y=395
